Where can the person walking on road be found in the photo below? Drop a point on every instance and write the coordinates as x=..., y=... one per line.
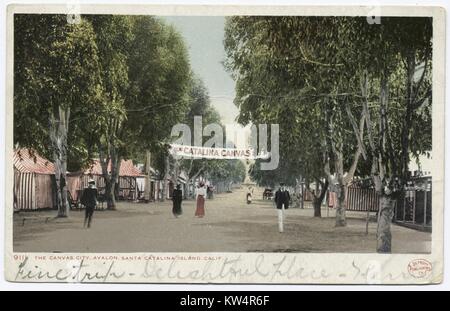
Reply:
x=201, y=195
x=209, y=192
x=282, y=199
x=89, y=200
x=177, y=197
x=249, y=195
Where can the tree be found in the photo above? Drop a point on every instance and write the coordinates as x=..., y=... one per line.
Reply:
x=113, y=38
x=228, y=171
x=199, y=105
x=287, y=72
x=145, y=72
x=120, y=82
x=157, y=99
x=159, y=75
x=57, y=81
x=403, y=45
x=340, y=64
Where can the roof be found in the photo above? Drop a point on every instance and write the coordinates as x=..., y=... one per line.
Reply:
x=29, y=161
x=126, y=169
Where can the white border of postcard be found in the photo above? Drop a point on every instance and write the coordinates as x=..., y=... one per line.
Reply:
x=285, y=268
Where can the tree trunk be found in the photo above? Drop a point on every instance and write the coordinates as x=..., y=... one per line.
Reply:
x=337, y=183
x=115, y=170
x=411, y=66
x=166, y=176
x=341, y=192
x=385, y=214
x=386, y=207
x=109, y=194
x=341, y=220
x=317, y=201
x=297, y=193
x=185, y=190
x=59, y=124
x=148, y=183
x=176, y=172
x=110, y=180
x=302, y=196
x=379, y=164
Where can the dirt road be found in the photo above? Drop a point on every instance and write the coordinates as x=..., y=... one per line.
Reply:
x=230, y=225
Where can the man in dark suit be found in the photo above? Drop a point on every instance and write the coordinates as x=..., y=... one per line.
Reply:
x=282, y=199
x=89, y=200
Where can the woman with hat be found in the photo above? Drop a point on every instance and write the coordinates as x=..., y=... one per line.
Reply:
x=201, y=195
x=177, y=197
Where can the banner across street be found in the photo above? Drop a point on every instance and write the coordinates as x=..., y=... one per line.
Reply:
x=215, y=153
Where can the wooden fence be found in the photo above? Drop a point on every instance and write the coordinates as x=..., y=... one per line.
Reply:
x=362, y=199
x=414, y=209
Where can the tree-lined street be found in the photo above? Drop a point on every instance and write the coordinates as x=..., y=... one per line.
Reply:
x=350, y=100
x=230, y=225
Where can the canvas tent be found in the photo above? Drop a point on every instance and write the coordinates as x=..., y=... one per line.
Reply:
x=128, y=179
x=33, y=180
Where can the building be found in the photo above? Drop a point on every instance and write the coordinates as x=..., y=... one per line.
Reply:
x=129, y=186
x=422, y=166
x=34, y=179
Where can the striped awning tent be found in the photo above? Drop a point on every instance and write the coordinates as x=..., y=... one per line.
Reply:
x=32, y=180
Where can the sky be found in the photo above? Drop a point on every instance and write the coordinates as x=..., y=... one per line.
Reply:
x=204, y=39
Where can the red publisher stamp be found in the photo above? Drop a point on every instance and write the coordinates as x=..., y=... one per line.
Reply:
x=419, y=268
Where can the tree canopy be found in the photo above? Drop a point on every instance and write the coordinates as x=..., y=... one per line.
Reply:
x=108, y=86
x=56, y=65
x=341, y=89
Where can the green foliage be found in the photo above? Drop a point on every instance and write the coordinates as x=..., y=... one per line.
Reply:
x=226, y=170
x=272, y=178
x=56, y=65
x=395, y=49
x=304, y=73
x=159, y=75
x=199, y=105
x=124, y=78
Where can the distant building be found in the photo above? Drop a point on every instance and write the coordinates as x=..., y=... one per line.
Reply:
x=422, y=167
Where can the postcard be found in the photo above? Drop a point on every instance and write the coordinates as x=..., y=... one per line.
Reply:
x=225, y=144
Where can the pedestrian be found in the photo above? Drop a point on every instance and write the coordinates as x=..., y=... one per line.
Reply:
x=249, y=198
x=89, y=200
x=249, y=195
x=282, y=199
x=177, y=197
x=160, y=196
x=201, y=195
x=209, y=192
